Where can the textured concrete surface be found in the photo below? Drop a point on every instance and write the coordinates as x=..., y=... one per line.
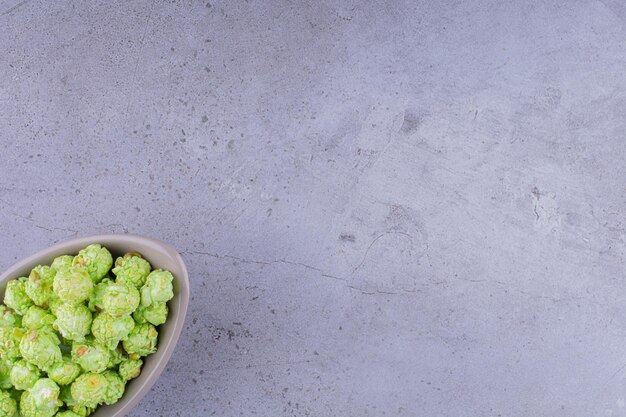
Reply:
x=403, y=209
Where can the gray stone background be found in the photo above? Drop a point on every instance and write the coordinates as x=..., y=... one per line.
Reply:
x=387, y=208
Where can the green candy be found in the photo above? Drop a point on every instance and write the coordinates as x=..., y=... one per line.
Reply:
x=64, y=372
x=67, y=413
x=91, y=356
x=120, y=299
x=96, y=259
x=28, y=407
x=8, y=405
x=81, y=410
x=54, y=303
x=49, y=330
x=142, y=340
x=132, y=269
x=42, y=400
x=6, y=367
x=39, y=285
x=115, y=387
x=15, y=295
x=72, y=285
x=155, y=313
x=95, y=299
x=36, y=317
x=72, y=405
x=63, y=261
x=45, y=393
x=118, y=355
x=10, y=338
x=73, y=321
x=88, y=362
x=90, y=389
x=109, y=330
x=158, y=288
x=8, y=317
x=24, y=375
x=130, y=369
x=41, y=348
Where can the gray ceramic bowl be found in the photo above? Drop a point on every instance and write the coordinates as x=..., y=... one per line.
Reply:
x=160, y=256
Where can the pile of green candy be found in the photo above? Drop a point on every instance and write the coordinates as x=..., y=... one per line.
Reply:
x=71, y=336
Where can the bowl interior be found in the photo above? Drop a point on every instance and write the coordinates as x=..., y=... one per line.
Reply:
x=161, y=256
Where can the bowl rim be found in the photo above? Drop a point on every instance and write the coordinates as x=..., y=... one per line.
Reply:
x=150, y=379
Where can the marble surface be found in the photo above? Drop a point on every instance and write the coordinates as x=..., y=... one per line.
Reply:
x=403, y=208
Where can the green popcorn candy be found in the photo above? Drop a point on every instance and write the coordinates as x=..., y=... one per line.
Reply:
x=61, y=262
x=96, y=259
x=73, y=321
x=67, y=413
x=42, y=400
x=10, y=338
x=115, y=387
x=120, y=299
x=39, y=285
x=95, y=298
x=64, y=372
x=72, y=285
x=5, y=374
x=138, y=315
x=132, y=269
x=41, y=348
x=142, y=340
x=15, y=295
x=91, y=356
x=45, y=393
x=72, y=405
x=158, y=288
x=24, y=375
x=90, y=389
x=28, y=408
x=8, y=405
x=54, y=303
x=130, y=369
x=36, y=317
x=155, y=313
x=109, y=330
x=82, y=411
x=8, y=317
x=118, y=355
x=49, y=330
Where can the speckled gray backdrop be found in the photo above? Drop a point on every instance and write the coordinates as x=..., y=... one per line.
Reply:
x=387, y=208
